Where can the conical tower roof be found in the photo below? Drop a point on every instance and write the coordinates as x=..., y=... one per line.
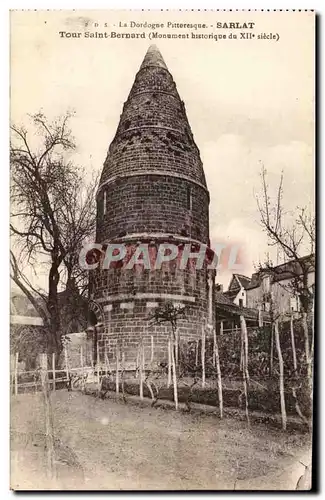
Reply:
x=153, y=58
x=153, y=135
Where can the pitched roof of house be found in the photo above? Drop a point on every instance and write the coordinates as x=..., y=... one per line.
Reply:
x=237, y=282
x=244, y=280
x=222, y=298
x=226, y=307
x=285, y=271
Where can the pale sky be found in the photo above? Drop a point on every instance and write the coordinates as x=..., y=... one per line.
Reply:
x=249, y=102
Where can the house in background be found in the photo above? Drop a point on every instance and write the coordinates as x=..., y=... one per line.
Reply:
x=237, y=289
x=26, y=329
x=272, y=284
x=228, y=314
x=27, y=334
x=22, y=311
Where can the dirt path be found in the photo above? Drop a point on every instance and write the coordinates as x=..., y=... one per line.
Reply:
x=109, y=445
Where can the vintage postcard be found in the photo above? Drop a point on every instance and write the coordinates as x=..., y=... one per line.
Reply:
x=162, y=250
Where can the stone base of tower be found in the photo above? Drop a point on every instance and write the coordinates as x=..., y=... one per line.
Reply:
x=127, y=323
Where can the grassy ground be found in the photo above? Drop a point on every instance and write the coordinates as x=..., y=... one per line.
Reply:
x=110, y=445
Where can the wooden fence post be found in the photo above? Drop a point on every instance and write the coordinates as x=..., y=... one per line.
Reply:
x=174, y=375
x=82, y=368
x=271, y=349
x=246, y=351
x=241, y=364
x=260, y=317
x=214, y=347
x=137, y=363
x=66, y=362
x=107, y=363
x=97, y=363
x=152, y=350
x=105, y=357
x=48, y=418
x=123, y=372
x=203, y=356
x=16, y=372
x=197, y=352
x=312, y=329
x=117, y=383
x=293, y=345
x=176, y=347
x=244, y=358
x=281, y=377
x=12, y=373
x=169, y=376
x=143, y=359
x=217, y=364
x=53, y=372
x=295, y=367
x=141, y=368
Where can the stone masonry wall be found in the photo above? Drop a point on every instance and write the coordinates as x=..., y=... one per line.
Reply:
x=129, y=322
x=153, y=203
x=128, y=300
x=153, y=190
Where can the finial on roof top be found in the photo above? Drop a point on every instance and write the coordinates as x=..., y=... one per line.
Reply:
x=153, y=57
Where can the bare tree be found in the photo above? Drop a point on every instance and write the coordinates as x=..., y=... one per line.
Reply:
x=52, y=214
x=292, y=238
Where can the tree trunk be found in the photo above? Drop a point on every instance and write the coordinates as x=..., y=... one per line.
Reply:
x=49, y=434
x=54, y=334
x=281, y=378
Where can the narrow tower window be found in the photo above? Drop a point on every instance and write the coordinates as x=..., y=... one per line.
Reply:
x=189, y=198
x=104, y=202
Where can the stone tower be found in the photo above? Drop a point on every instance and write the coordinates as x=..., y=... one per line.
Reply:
x=152, y=190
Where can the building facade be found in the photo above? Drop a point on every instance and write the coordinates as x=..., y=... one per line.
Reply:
x=273, y=287
x=237, y=289
x=152, y=190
